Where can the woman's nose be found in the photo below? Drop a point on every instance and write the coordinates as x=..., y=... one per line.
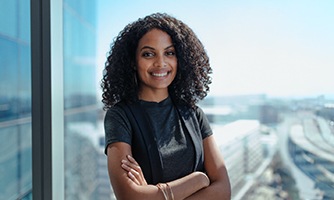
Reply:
x=160, y=61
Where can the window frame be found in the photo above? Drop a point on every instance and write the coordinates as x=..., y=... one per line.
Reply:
x=47, y=99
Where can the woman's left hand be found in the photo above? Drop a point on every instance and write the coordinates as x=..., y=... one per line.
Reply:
x=133, y=170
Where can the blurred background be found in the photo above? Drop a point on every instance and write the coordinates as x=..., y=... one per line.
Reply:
x=271, y=103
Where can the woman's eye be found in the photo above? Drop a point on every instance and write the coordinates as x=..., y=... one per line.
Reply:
x=170, y=53
x=147, y=54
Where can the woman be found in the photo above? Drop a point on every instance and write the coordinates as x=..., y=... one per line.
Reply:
x=158, y=142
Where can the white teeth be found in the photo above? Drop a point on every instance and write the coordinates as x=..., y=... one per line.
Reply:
x=159, y=75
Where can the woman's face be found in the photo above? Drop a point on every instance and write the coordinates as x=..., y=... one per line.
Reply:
x=156, y=61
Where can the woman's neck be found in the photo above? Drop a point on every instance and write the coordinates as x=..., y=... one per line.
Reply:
x=153, y=96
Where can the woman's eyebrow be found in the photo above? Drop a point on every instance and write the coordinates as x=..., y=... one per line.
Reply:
x=148, y=47
x=171, y=46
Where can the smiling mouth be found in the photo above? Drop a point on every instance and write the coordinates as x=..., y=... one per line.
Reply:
x=160, y=74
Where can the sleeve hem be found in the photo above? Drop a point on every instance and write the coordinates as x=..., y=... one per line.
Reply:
x=114, y=141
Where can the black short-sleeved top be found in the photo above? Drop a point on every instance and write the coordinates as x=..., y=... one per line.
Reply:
x=173, y=140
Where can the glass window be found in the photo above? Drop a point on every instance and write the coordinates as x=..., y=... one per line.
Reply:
x=85, y=163
x=24, y=28
x=9, y=14
x=263, y=54
x=271, y=64
x=9, y=79
x=15, y=101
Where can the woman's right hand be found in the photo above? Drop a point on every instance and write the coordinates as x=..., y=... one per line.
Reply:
x=134, y=171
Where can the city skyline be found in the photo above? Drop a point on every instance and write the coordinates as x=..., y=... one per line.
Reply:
x=275, y=48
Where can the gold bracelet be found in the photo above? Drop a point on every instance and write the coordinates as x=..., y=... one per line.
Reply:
x=163, y=190
x=170, y=191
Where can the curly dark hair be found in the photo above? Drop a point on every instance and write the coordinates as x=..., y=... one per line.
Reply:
x=192, y=80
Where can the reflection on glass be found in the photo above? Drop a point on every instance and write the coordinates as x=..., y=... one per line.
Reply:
x=15, y=101
x=85, y=164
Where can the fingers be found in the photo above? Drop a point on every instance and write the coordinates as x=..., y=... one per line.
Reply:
x=132, y=160
x=134, y=171
x=133, y=178
x=131, y=165
x=126, y=167
x=132, y=174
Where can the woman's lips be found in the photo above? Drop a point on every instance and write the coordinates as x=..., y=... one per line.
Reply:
x=161, y=74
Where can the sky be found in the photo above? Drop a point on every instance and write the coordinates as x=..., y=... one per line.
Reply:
x=278, y=48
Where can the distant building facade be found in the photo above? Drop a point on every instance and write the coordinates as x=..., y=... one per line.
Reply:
x=243, y=150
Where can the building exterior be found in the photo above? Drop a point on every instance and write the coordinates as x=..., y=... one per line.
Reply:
x=242, y=147
x=15, y=100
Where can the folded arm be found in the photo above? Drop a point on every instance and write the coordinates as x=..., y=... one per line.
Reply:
x=219, y=187
x=130, y=183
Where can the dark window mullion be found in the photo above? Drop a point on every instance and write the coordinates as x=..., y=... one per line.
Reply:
x=41, y=100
